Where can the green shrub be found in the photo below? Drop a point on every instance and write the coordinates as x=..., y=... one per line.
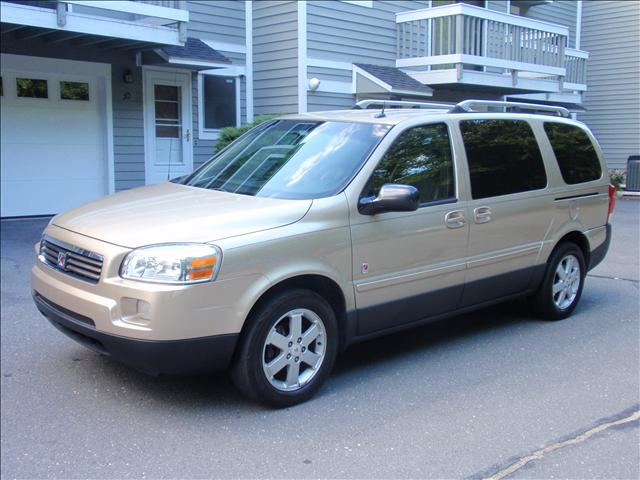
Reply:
x=229, y=134
x=617, y=178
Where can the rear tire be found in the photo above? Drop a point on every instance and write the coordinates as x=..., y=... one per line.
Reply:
x=562, y=284
x=288, y=349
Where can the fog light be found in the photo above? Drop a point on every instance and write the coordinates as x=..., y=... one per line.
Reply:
x=135, y=311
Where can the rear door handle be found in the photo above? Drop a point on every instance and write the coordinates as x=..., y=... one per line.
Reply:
x=482, y=214
x=454, y=219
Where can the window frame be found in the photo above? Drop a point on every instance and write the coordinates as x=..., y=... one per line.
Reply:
x=214, y=133
x=455, y=178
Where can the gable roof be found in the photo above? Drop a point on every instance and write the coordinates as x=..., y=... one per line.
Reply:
x=392, y=79
x=193, y=49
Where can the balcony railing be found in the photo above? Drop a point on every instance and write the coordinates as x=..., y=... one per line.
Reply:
x=475, y=38
x=162, y=22
x=576, y=66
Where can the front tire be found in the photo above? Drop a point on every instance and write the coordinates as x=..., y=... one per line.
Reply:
x=288, y=349
x=562, y=285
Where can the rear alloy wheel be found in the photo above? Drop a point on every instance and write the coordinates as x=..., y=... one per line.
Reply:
x=566, y=282
x=287, y=350
x=562, y=285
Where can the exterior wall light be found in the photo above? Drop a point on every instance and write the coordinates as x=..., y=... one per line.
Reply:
x=314, y=83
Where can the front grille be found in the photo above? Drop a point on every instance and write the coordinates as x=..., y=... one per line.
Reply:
x=71, y=260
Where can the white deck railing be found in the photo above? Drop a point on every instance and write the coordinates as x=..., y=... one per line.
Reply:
x=152, y=22
x=467, y=35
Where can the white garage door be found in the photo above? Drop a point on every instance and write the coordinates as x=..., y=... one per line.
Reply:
x=54, y=134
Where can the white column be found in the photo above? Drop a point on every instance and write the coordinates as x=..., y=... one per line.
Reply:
x=248, y=26
x=302, y=56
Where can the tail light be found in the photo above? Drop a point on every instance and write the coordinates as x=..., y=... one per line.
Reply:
x=612, y=201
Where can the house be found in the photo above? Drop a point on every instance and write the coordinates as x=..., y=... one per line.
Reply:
x=99, y=96
x=611, y=33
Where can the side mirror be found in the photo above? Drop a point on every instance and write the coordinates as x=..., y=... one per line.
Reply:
x=391, y=198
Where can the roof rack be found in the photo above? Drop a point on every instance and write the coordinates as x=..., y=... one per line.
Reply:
x=362, y=104
x=466, y=106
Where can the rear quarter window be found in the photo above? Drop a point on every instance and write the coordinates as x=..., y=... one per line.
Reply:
x=503, y=157
x=575, y=153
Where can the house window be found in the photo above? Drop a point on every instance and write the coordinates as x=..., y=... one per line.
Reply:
x=74, y=91
x=219, y=102
x=33, y=88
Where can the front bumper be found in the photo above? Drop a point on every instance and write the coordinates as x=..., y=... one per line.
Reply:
x=174, y=357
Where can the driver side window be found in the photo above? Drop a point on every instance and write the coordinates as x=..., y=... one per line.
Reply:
x=420, y=157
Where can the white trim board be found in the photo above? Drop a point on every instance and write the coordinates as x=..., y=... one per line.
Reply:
x=248, y=60
x=302, y=56
x=89, y=24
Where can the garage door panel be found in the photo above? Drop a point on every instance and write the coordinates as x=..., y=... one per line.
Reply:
x=28, y=196
x=46, y=126
x=56, y=162
x=53, y=151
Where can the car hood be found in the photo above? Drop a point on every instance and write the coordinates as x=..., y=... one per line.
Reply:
x=170, y=212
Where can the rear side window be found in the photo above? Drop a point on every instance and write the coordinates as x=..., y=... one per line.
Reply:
x=577, y=158
x=420, y=157
x=503, y=157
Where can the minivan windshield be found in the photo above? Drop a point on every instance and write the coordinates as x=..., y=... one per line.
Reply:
x=291, y=159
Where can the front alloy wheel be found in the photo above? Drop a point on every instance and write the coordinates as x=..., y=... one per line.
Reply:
x=287, y=349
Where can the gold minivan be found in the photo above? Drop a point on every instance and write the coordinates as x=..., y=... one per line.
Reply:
x=314, y=231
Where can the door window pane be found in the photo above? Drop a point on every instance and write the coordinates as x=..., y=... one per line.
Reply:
x=167, y=111
x=219, y=102
x=420, y=157
x=166, y=92
x=74, y=91
x=503, y=157
x=30, y=87
x=576, y=156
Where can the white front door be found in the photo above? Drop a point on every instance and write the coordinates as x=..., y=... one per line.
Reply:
x=168, y=131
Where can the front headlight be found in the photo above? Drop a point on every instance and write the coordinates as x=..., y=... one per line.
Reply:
x=178, y=263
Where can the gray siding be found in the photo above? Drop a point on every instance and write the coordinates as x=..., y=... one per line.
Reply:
x=275, y=57
x=350, y=33
x=353, y=33
x=319, y=101
x=497, y=5
x=561, y=13
x=221, y=21
x=611, y=35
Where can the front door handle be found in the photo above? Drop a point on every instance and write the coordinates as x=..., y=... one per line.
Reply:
x=454, y=219
x=482, y=214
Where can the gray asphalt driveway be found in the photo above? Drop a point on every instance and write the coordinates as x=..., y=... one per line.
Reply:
x=473, y=396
